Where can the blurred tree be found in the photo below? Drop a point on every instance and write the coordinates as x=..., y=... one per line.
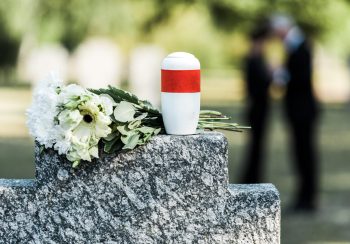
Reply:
x=63, y=21
x=322, y=20
x=314, y=16
x=213, y=29
x=8, y=47
x=69, y=22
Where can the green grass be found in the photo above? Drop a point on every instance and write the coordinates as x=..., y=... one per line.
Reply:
x=16, y=158
x=330, y=224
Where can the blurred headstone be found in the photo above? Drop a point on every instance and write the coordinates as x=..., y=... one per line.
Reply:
x=40, y=61
x=144, y=73
x=97, y=63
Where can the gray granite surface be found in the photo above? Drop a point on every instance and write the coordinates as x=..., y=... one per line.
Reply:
x=172, y=190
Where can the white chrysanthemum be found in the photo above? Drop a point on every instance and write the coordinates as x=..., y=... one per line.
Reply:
x=41, y=114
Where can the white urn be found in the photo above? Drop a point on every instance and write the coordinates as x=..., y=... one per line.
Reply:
x=180, y=93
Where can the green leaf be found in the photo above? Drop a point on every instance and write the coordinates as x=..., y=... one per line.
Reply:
x=117, y=146
x=75, y=164
x=123, y=129
x=156, y=131
x=126, y=138
x=209, y=112
x=108, y=145
x=134, y=124
x=146, y=130
x=124, y=112
x=114, y=146
x=113, y=119
x=132, y=142
x=146, y=138
x=111, y=136
x=142, y=116
x=119, y=95
x=41, y=150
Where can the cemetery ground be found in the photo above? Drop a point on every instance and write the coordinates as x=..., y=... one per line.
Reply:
x=331, y=224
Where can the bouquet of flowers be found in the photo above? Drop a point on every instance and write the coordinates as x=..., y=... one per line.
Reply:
x=76, y=121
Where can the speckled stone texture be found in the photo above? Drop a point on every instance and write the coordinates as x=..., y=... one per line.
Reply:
x=172, y=190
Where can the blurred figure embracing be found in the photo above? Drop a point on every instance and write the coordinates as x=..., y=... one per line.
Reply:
x=301, y=108
x=258, y=77
x=300, y=105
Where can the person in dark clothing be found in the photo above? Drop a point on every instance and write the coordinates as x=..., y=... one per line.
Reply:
x=258, y=78
x=301, y=110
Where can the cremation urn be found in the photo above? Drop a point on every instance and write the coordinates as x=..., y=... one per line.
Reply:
x=180, y=93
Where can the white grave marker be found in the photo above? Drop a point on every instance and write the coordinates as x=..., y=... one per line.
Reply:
x=42, y=60
x=144, y=72
x=97, y=63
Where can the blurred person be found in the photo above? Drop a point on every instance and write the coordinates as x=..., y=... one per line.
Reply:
x=301, y=108
x=258, y=78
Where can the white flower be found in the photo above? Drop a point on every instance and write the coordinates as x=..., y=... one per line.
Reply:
x=84, y=119
x=71, y=96
x=70, y=119
x=41, y=114
x=63, y=142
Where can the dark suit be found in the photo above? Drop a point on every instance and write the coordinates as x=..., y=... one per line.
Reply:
x=301, y=108
x=258, y=79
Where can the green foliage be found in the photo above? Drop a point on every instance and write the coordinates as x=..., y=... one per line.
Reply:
x=214, y=31
x=136, y=121
x=211, y=120
x=314, y=16
x=120, y=95
x=323, y=20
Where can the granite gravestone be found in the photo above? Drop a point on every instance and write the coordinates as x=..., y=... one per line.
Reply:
x=172, y=190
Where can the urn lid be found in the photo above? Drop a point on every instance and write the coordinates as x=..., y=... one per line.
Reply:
x=180, y=61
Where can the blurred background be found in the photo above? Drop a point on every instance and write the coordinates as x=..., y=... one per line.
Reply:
x=96, y=43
